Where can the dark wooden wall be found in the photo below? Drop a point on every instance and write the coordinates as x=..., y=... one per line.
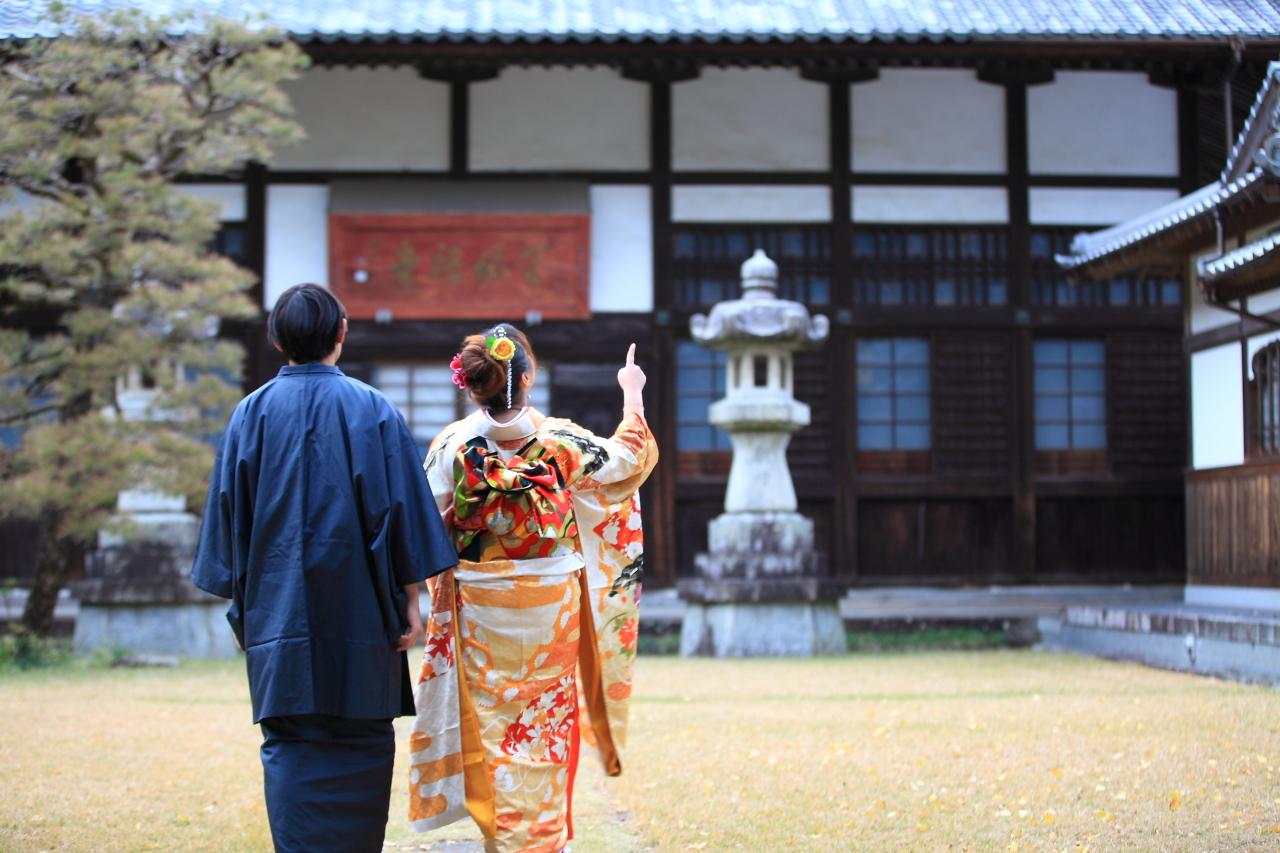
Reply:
x=1233, y=526
x=982, y=505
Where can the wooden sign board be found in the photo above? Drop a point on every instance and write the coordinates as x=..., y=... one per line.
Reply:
x=461, y=266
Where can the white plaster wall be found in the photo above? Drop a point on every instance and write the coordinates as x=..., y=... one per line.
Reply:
x=1267, y=301
x=1092, y=205
x=559, y=118
x=734, y=203
x=368, y=118
x=1102, y=123
x=230, y=198
x=930, y=204
x=621, y=249
x=927, y=120
x=297, y=238
x=1217, y=408
x=749, y=118
x=1203, y=317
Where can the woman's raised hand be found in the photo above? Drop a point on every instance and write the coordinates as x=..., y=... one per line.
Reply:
x=632, y=379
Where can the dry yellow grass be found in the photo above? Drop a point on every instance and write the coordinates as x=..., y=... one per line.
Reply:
x=99, y=760
x=990, y=751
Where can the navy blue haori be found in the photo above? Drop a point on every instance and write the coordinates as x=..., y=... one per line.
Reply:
x=318, y=515
x=327, y=782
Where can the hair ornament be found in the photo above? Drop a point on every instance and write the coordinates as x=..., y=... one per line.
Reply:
x=502, y=349
x=459, y=375
x=500, y=346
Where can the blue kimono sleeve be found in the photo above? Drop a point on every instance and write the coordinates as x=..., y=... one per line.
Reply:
x=418, y=546
x=213, y=570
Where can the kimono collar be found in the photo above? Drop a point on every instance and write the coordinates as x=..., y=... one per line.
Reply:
x=314, y=367
x=521, y=427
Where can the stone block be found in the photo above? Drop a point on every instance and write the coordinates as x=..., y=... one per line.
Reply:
x=762, y=630
x=760, y=531
x=194, y=629
x=780, y=590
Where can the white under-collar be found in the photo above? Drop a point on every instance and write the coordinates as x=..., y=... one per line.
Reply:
x=521, y=426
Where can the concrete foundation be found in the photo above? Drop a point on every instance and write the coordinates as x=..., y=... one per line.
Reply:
x=193, y=629
x=136, y=596
x=1241, y=645
x=762, y=630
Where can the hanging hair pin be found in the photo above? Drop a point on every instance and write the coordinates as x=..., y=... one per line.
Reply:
x=502, y=349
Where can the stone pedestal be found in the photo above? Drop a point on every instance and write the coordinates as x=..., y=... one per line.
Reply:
x=137, y=596
x=762, y=630
x=762, y=587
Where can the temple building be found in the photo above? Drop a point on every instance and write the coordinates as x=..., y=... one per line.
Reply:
x=597, y=172
x=1225, y=240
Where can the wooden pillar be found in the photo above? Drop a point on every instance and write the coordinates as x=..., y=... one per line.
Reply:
x=842, y=380
x=1022, y=413
x=252, y=333
x=663, y=544
x=459, y=127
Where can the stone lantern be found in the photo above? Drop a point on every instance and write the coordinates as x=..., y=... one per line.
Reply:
x=762, y=588
x=136, y=595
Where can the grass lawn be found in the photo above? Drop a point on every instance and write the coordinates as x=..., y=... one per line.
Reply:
x=991, y=750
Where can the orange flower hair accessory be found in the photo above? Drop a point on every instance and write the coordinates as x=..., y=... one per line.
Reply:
x=500, y=346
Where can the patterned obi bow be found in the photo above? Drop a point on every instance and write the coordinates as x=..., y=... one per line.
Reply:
x=521, y=497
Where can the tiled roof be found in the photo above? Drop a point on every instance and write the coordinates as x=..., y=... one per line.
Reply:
x=711, y=20
x=1090, y=247
x=1263, y=115
x=1233, y=263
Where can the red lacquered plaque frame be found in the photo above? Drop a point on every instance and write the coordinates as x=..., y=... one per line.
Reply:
x=461, y=266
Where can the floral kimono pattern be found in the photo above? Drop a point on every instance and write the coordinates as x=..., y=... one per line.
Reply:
x=516, y=671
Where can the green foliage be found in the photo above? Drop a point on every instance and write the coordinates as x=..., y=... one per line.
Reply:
x=658, y=644
x=926, y=639
x=19, y=649
x=105, y=270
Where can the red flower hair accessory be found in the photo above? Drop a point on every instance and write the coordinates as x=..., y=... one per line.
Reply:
x=459, y=377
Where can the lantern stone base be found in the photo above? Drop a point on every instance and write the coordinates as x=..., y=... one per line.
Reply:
x=767, y=629
x=194, y=629
x=762, y=591
x=137, y=597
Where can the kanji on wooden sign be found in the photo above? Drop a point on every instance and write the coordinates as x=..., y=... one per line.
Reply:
x=460, y=266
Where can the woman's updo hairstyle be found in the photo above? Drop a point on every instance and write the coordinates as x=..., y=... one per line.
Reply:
x=487, y=377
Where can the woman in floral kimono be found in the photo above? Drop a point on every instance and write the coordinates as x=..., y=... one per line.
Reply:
x=532, y=637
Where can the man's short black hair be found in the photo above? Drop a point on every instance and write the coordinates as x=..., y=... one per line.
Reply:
x=305, y=322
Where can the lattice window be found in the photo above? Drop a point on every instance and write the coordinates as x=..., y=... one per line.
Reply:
x=897, y=265
x=702, y=450
x=428, y=399
x=707, y=260
x=894, y=405
x=1050, y=287
x=1071, y=395
x=1265, y=401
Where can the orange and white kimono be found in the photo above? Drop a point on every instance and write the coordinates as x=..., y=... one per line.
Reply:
x=516, y=671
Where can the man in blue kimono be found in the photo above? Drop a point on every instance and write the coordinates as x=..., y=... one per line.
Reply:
x=320, y=528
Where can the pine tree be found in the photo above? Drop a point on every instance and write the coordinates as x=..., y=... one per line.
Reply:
x=105, y=265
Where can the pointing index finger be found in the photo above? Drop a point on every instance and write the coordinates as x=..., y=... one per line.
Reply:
x=631, y=355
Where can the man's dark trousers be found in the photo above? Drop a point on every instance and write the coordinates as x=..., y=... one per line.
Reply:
x=328, y=782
